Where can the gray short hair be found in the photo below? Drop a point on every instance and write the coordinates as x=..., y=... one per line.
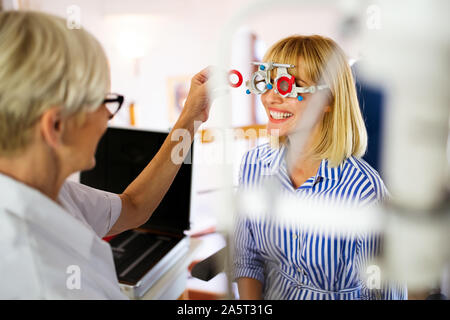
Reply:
x=44, y=64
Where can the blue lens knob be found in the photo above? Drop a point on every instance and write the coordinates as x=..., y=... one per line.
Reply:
x=300, y=98
x=269, y=86
x=247, y=92
x=262, y=67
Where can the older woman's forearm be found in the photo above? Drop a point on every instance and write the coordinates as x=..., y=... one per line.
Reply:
x=149, y=188
x=144, y=194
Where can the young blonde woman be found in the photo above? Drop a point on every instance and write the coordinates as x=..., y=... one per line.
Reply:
x=272, y=262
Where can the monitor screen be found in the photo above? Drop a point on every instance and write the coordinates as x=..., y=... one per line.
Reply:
x=121, y=156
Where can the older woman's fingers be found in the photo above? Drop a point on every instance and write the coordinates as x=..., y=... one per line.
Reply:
x=203, y=76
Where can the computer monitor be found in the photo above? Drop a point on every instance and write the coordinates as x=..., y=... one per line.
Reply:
x=121, y=156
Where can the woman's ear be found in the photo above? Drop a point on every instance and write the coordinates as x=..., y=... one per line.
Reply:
x=327, y=109
x=52, y=125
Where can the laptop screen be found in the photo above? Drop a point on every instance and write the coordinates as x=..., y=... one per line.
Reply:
x=121, y=155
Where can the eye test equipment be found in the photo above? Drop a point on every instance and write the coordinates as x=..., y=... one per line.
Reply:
x=240, y=79
x=284, y=83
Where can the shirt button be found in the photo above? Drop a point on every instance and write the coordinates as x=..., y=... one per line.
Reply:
x=301, y=270
x=295, y=236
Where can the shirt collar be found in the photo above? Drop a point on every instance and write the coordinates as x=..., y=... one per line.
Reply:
x=273, y=159
x=276, y=162
x=327, y=172
x=37, y=209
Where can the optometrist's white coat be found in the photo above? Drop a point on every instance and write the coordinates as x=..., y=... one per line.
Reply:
x=51, y=251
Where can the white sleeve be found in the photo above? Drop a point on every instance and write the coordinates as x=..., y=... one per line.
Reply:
x=99, y=209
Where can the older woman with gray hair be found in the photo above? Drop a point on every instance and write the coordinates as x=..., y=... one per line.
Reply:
x=54, y=83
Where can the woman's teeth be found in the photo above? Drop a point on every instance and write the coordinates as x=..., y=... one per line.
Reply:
x=280, y=115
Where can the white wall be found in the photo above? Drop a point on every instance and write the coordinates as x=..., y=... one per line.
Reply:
x=181, y=37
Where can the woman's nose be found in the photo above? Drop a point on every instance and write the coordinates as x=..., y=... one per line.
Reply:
x=273, y=97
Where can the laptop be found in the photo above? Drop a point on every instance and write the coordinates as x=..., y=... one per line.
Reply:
x=143, y=255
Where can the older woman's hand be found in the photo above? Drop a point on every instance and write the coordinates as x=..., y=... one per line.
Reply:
x=198, y=102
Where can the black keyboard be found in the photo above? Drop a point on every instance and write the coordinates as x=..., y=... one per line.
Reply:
x=136, y=252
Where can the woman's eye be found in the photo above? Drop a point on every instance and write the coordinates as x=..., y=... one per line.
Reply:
x=284, y=85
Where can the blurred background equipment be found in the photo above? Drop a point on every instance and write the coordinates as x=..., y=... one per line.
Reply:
x=408, y=58
x=412, y=68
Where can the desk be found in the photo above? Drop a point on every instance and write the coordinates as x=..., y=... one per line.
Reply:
x=217, y=287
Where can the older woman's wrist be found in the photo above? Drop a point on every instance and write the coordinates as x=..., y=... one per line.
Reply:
x=188, y=121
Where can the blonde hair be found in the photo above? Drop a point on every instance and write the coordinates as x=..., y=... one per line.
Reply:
x=342, y=132
x=44, y=64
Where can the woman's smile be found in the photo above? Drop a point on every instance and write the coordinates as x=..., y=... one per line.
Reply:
x=282, y=118
x=279, y=115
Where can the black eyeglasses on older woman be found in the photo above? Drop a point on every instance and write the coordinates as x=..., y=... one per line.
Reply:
x=113, y=102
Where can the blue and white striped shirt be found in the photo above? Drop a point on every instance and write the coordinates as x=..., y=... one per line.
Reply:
x=297, y=263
